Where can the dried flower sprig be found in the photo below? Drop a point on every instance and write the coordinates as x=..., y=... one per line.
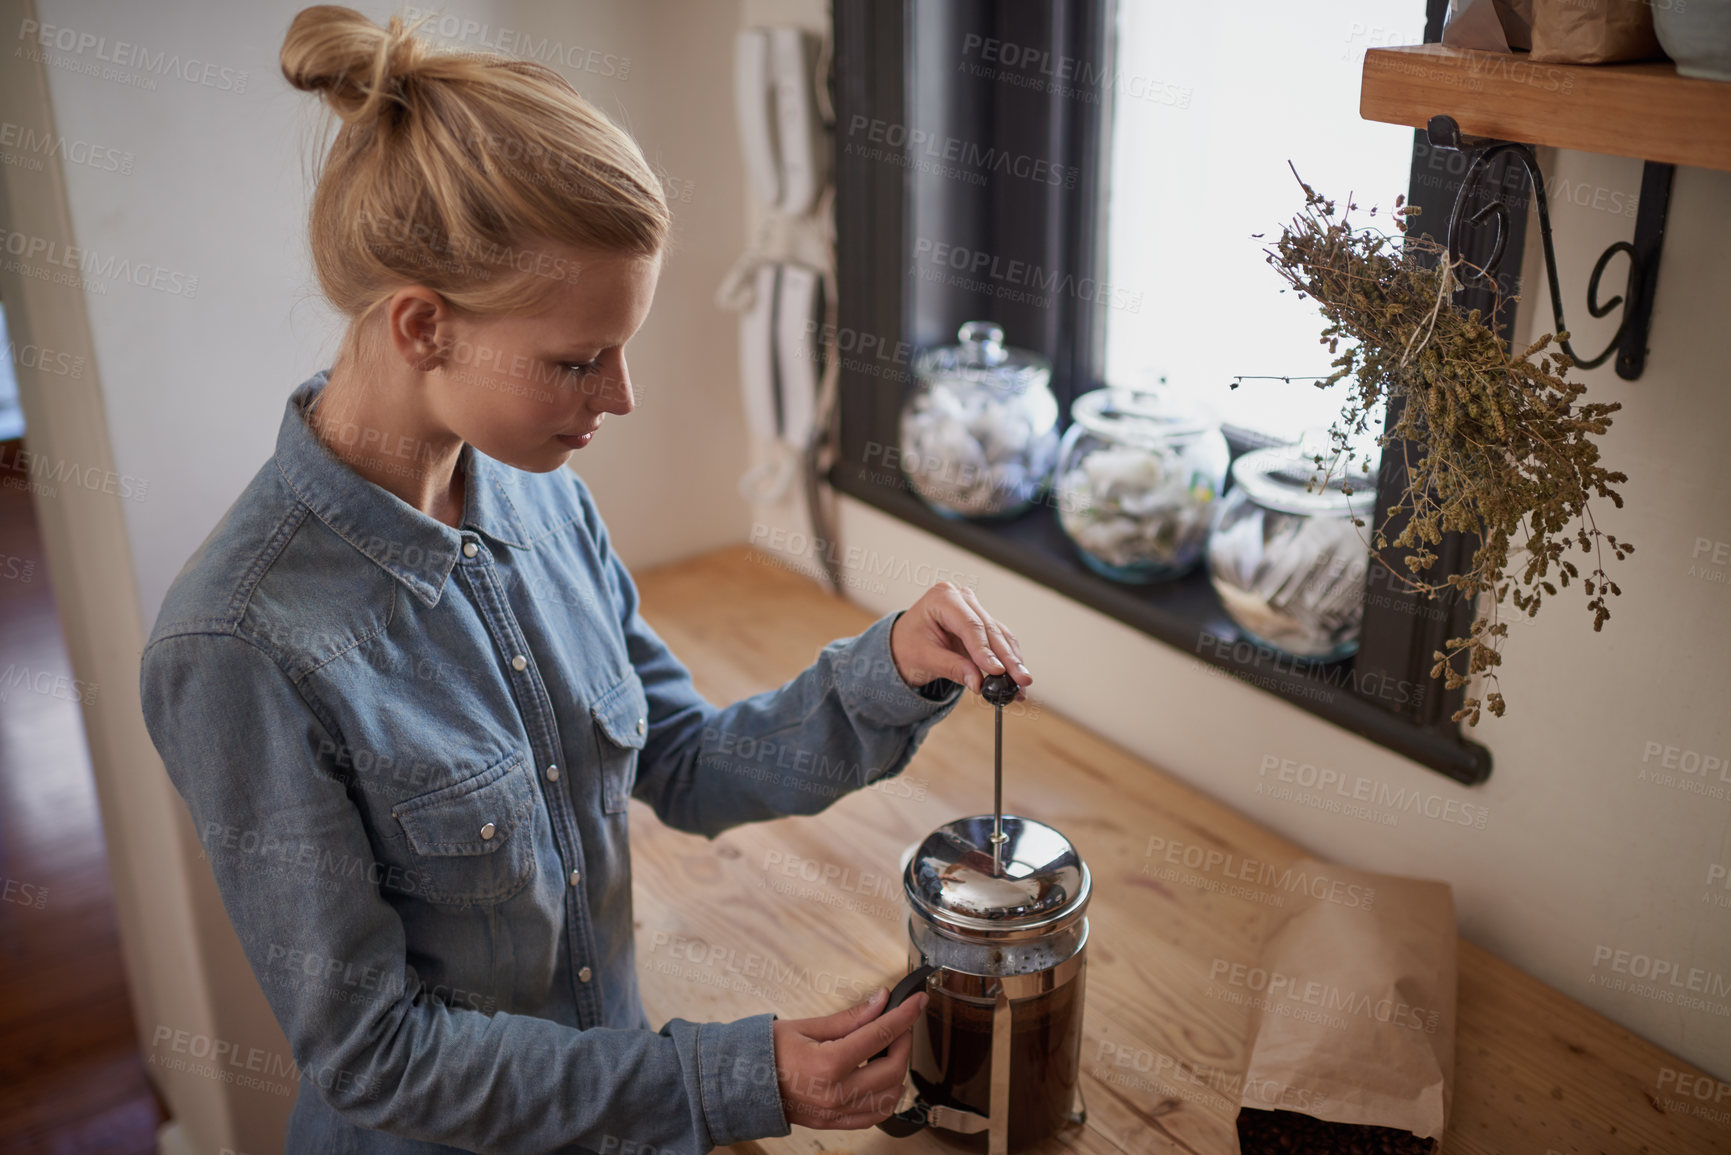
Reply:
x=1505, y=447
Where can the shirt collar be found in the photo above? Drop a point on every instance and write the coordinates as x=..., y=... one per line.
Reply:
x=407, y=544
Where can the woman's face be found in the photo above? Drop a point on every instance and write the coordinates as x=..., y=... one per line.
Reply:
x=529, y=390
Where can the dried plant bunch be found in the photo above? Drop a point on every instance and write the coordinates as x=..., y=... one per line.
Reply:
x=1497, y=444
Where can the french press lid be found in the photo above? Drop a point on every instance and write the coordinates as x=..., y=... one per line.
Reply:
x=951, y=881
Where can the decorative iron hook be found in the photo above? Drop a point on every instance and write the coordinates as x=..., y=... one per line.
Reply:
x=1630, y=340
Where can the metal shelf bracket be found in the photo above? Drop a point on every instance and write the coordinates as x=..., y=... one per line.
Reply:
x=1630, y=341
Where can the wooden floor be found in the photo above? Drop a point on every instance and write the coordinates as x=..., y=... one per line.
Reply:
x=71, y=1078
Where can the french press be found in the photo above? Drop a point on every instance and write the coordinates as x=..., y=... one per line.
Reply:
x=998, y=939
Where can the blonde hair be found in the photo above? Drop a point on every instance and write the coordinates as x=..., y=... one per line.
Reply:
x=453, y=170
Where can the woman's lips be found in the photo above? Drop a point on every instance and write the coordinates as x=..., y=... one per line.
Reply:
x=577, y=442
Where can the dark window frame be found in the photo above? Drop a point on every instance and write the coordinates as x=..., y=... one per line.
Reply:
x=885, y=314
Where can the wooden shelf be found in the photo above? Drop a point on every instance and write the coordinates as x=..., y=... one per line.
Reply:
x=1641, y=110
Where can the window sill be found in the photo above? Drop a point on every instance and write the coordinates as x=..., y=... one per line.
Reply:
x=1187, y=615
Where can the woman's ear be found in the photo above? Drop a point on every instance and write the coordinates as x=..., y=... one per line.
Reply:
x=419, y=322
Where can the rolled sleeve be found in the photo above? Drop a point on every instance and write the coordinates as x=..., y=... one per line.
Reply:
x=870, y=685
x=741, y=1095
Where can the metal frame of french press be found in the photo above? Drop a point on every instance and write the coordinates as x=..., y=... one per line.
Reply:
x=1630, y=340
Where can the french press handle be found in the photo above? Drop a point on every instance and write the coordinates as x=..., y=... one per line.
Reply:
x=913, y=1120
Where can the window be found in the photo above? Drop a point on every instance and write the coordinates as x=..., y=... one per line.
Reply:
x=1213, y=101
x=950, y=113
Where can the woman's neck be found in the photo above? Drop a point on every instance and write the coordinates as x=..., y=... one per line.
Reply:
x=378, y=429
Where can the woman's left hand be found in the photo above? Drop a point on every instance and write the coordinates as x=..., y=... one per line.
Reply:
x=949, y=634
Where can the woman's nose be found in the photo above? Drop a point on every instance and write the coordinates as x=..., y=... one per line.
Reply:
x=612, y=390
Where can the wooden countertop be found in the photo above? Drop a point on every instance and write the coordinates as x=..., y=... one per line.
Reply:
x=803, y=916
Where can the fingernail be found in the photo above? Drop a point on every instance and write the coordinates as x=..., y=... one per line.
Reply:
x=993, y=658
x=878, y=996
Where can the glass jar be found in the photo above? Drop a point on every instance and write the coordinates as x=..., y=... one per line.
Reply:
x=1137, y=476
x=980, y=430
x=1285, y=557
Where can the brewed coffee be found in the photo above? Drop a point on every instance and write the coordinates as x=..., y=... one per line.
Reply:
x=952, y=1060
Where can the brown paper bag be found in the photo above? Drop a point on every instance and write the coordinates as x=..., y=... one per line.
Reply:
x=1593, y=31
x=1489, y=25
x=1355, y=1017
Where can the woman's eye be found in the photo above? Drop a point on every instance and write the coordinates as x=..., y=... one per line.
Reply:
x=585, y=369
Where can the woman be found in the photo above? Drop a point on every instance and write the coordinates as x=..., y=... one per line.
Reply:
x=405, y=689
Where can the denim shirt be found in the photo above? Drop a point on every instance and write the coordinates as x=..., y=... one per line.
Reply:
x=408, y=750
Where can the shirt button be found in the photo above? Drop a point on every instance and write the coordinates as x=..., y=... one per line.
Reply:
x=519, y=662
x=585, y=975
x=470, y=549
x=576, y=877
x=640, y=725
x=487, y=831
x=552, y=773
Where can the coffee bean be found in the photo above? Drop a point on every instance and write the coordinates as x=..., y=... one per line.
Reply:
x=1276, y=1132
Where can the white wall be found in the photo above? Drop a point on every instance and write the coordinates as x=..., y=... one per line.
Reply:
x=193, y=384
x=1578, y=853
x=217, y=192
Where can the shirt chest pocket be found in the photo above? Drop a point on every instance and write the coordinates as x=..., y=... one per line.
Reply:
x=473, y=842
x=621, y=728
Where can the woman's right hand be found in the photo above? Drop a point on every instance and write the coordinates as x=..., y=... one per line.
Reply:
x=818, y=1063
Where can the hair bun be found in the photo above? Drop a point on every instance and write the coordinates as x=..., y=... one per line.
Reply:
x=356, y=65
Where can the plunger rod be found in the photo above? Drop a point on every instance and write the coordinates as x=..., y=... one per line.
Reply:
x=998, y=690
x=997, y=791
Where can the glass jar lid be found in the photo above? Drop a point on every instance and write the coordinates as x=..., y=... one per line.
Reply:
x=1288, y=479
x=1150, y=418
x=983, y=358
x=950, y=879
